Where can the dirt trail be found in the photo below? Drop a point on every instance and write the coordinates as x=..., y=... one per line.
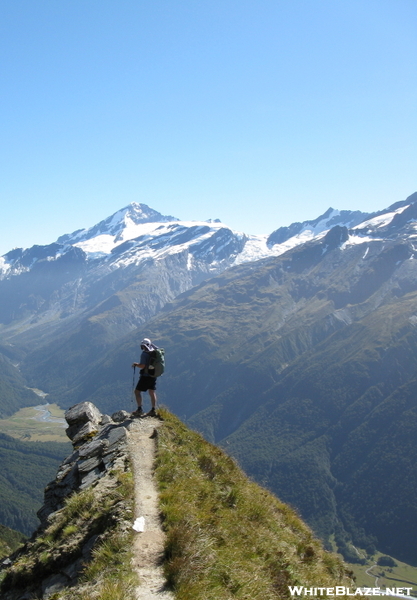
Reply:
x=149, y=544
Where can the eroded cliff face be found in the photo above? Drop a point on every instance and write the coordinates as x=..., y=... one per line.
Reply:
x=84, y=505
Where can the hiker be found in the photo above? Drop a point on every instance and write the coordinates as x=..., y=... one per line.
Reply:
x=147, y=382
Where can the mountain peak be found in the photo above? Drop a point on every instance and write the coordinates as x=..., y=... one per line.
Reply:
x=132, y=214
x=412, y=198
x=142, y=213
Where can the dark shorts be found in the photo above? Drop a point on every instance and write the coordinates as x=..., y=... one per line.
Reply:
x=145, y=383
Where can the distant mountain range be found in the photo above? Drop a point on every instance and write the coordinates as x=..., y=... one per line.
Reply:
x=67, y=303
x=296, y=351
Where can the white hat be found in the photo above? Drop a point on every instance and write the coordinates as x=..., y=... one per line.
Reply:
x=146, y=343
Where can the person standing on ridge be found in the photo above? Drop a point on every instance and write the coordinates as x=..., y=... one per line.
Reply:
x=147, y=382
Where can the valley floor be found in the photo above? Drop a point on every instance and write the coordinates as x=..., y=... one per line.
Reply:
x=374, y=575
x=43, y=423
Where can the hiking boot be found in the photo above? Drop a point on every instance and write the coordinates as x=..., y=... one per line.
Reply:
x=138, y=412
x=151, y=413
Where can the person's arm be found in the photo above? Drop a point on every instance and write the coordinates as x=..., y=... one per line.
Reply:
x=144, y=361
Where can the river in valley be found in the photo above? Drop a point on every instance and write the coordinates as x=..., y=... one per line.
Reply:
x=44, y=412
x=45, y=415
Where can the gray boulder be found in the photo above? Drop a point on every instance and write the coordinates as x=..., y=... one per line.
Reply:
x=120, y=416
x=84, y=421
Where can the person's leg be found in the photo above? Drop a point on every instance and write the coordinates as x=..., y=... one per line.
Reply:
x=152, y=395
x=138, y=397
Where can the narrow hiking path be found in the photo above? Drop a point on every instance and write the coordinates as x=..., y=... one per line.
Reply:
x=376, y=577
x=149, y=544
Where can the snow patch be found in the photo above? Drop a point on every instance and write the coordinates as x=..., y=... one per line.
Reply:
x=256, y=246
x=381, y=220
x=322, y=226
x=97, y=246
x=158, y=240
x=354, y=240
x=4, y=265
x=255, y=249
x=304, y=236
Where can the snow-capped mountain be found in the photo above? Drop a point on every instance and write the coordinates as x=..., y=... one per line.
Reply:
x=298, y=233
x=137, y=232
x=127, y=267
x=130, y=265
x=398, y=219
x=122, y=225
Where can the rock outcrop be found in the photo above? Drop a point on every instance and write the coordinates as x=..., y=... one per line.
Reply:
x=99, y=446
x=99, y=452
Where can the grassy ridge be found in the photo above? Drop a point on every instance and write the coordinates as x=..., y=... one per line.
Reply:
x=226, y=536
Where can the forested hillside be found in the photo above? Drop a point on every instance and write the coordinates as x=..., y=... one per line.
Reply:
x=13, y=392
x=10, y=540
x=26, y=468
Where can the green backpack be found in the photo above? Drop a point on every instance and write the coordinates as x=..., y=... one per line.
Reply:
x=157, y=362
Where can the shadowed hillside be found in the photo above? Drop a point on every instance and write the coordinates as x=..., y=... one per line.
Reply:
x=26, y=467
x=13, y=393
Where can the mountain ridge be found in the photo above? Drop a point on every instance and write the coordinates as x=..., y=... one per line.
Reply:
x=288, y=362
x=112, y=278
x=291, y=361
x=134, y=213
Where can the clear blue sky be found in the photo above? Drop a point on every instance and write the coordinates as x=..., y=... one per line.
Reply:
x=259, y=113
